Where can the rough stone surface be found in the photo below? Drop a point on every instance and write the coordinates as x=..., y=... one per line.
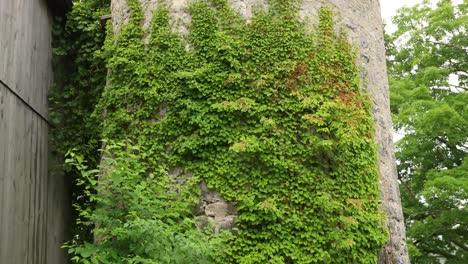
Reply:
x=363, y=21
x=179, y=175
x=214, y=211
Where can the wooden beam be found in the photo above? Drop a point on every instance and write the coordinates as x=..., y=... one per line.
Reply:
x=104, y=19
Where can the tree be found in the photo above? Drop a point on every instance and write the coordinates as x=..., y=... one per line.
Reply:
x=428, y=66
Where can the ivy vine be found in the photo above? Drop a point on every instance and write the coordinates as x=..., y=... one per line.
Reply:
x=80, y=76
x=263, y=111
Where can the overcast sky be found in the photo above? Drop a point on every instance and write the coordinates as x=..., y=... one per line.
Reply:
x=389, y=7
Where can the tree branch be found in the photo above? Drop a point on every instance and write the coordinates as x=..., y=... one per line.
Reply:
x=410, y=192
x=459, y=244
x=458, y=87
x=435, y=251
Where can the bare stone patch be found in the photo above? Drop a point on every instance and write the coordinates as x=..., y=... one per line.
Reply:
x=213, y=211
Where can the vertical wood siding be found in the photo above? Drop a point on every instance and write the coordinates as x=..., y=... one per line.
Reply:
x=33, y=203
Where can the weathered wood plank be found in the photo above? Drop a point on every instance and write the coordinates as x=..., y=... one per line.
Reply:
x=26, y=50
x=32, y=214
x=33, y=203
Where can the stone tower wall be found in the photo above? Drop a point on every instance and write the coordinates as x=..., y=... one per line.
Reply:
x=362, y=19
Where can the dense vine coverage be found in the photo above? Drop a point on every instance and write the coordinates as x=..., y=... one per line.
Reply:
x=263, y=111
x=80, y=76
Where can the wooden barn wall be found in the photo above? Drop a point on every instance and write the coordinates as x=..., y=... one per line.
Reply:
x=33, y=203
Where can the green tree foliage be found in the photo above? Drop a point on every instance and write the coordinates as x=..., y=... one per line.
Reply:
x=263, y=111
x=428, y=66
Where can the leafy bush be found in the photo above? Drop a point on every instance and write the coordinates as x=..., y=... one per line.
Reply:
x=137, y=218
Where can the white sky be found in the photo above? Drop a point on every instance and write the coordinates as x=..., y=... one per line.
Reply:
x=389, y=8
